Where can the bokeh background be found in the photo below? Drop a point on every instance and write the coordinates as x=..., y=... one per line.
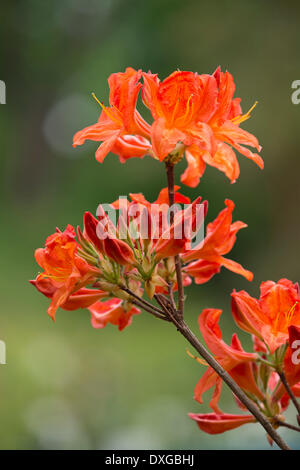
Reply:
x=66, y=385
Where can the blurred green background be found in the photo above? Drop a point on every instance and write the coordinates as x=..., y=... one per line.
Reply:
x=67, y=385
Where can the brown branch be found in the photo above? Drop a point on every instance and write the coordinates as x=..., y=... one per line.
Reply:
x=165, y=303
x=149, y=310
x=171, y=295
x=147, y=306
x=171, y=191
x=249, y=404
x=176, y=316
x=287, y=425
x=161, y=301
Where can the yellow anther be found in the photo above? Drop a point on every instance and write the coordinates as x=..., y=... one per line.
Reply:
x=175, y=110
x=99, y=102
x=198, y=359
x=288, y=316
x=243, y=117
x=107, y=110
x=188, y=108
x=290, y=313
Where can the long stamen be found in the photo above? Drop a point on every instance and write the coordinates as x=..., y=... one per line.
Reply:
x=188, y=108
x=290, y=313
x=276, y=321
x=243, y=117
x=174, y=111
x=198, y=359
x=106, y=110
x=55, y=277
x=288, y=317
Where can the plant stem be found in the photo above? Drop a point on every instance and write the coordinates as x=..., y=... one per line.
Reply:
x=171, y=295
x=170, y=177
x=290, y=392
x=287, y=425
x=149, y=310
x=176, y=317
x=193, y=340
x=145, y=305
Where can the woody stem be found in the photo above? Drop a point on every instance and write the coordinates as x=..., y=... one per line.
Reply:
x=287, y=425
x=290, y=392
x=249, y=404
x=176, y=317
x=147, y=306
x=171, y=191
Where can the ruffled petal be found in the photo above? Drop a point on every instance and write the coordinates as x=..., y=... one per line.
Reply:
x=225, y=160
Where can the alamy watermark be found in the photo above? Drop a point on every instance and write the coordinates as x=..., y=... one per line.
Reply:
x=296, y=354
x=142, y=222
x=2, y=352
x=295, y=96
x=2, y=92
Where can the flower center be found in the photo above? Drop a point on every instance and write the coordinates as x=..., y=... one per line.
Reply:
x=109, y=111
x=284, y=319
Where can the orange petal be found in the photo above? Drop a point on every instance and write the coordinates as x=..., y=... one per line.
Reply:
x=213, y=423
x=224, y=160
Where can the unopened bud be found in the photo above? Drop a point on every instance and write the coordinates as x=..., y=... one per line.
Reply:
x=150, y=289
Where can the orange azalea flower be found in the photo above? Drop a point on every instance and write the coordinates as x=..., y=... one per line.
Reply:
x=111, y=311
x=82, y=298
x=233, y=358
x=117, y=250
x=176, y=238
x=180, y=106
x=200, y=112
x=65, y=272
x=215, y=423
x=163, y=198
x=270, y=317
x=152, y=215
x=202, y=271
x=120, y=127
x=219, y=240
x=167, y=240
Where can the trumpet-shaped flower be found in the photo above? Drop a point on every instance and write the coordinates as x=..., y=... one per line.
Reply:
x=200, y=112
x=185, y=225
x=65, y=273
x=216, y=423
x=233, y=358
x=120, y=127
x=112, y=311
x=219, y=240
x=269, y=317
x=193, y=114
x=106, y=241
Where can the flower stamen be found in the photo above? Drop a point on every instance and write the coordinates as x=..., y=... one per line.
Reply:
x=198, y=359
x=107, y=112
x=243, y=117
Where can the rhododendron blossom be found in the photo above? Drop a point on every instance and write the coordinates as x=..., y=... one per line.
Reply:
x=120, y=127
x=137, y=256
x=193, y=114
x=219, y=240
x=269, y=317
x=275, y=326
x=66, y=273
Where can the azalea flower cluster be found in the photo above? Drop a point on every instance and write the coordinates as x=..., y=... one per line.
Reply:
x=117, y=267
x=193, y=114
x=273, y=320
x=82, y=268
